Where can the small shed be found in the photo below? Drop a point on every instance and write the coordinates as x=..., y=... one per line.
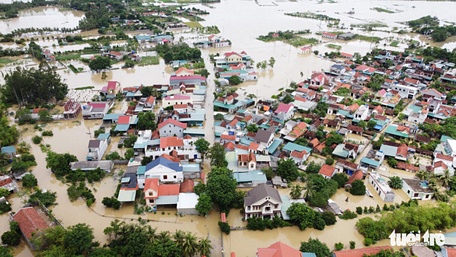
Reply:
x=187, y=204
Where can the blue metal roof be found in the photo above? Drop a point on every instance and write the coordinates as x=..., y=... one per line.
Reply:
x=122, y=127
x=273, y=147
x=9, y=149
x=165, y=162
x=112, y=117
x=104, y=136
x=295, y=147
x=191, y=167
x=141, y=170
x=254, y=176
x=370, y=162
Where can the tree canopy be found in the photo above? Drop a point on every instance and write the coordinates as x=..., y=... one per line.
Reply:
x=100, y=63
x=221, y=188
x=217, y=155
x=33, y=87
x=202, y=146
x=286, y=168
x=59, y=163
x=316, y=246
x=358, y=188
x=146, y=120
x=395, y=182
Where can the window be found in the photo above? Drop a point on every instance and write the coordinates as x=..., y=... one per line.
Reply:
x=267, y=209
x=415, y=194
x=165, y=176
x=175, y=176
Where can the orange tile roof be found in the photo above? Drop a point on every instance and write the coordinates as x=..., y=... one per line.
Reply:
x=124, y=120
x=402, y=150
x=358, y=175
x=298, y=154
x=278, y=249
x=440, y=164
x=172, y=122
x=253, y=146
x=171, y=141
x=361, y=252
x=243, y=147
x=171, y=158
x=151, y=183
x=451, y=252
x=444, y=157
x=314, y=142
x=229, y=145
x=168, y=189
x=30, y=221
x=180, y=106
x=326, y=170
x=228, y=137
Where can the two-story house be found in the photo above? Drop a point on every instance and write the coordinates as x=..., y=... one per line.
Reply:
x=97, y=147
x=361, y=113
x=265, y=137
x=164, y=170
x=247, y=160
x=171, y=127
x=284, y=112
x=156, y=193
x=263, y=201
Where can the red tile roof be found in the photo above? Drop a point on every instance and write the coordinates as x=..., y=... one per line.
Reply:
x=361, y=252
x=283, y=108
x=229, y=145
x=298, y=154
x=278, y=249
x=444, y=157
x=314, y=142
x=180, y=106
x=183, y=69
x=6, y=181
x=327, y=170
x=358, y=175
x=172, y=122
x=187, y=186
x=30, y=221
x=253, y=146
x=124, y=120
x=170, y=158
x=168, y=189
x=402, y=150
x=171, y=141
x=150, y=100
x=228, y=137
x=439, y=164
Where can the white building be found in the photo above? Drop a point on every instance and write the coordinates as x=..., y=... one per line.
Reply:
x=176, y=99
x=417, y=189
x=97, y=149
x=184, y=148
x=404, y=90
x=361, y=113
x=381, y=187
x=263, y=201
x=171, y=127
x=187, y=204
x=164, y=170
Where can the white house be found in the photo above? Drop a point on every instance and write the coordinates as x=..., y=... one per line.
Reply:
x=263, y=201
x=417, y=189
x=164, y=170
x=187, y=204
x=184, y=148
x=284, y=111
x=450, y=147
x=97, y=149
x=171, y=127
x=381, y=187
x=176, y=99
x=361, y=113
x=404, y=90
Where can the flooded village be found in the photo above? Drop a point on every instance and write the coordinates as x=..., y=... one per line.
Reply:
x=230, y=128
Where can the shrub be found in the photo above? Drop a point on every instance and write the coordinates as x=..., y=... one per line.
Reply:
x=352, y=244
x=224, y=227
x=359, y=210
x=47, y=133
x=111, y=202
x=348, y=215
x=329, y=161
x=329, y=218
x=339, y=246
x=37, y=139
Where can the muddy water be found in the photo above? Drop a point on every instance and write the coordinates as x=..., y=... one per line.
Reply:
x=48, y=17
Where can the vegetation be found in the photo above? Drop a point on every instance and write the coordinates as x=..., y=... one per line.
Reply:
x=235, y=80
x=37, y=139
x=313, y=167
x=358, y=188
x=348, y=215
x=59, y=163
x=281, y=35
x=217, y=156
x=287, y=169
x=146, y=120
x=178, y=52
x=100, y=63
x=33, y=87
x=12, y=237
x=341, y=179
x=262, y=224
x=204, y=205
x=319, y=190
x=224, y=227
x=111, y=202
x=380, y=9
x=221, y=188
x=395, y=182
x=428, y=25
x=29, y=181
x=296, y=191
x=47, y=198
x=315, y=246
x=305, y=217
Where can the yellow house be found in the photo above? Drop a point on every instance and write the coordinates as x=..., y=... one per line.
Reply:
x=233, y=57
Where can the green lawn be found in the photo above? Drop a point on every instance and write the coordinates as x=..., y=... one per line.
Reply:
x=379, y=9
x=395, y=43
x=149, y=60
x=333, y=46
x=5, y=61
x=194, y=24
x=67, y=57
x=301, y=41
x=368, y=38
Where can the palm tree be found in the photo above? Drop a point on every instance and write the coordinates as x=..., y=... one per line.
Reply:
x=205, y=247
x=422, y=175
x=190, y=245
x=445, y=179
x=114, y=230
x=179, y=238
x=310, y=189
x=164, y=235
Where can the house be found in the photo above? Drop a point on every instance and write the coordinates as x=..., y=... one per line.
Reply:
x=31, y=221
x=247, y=160
x=280, y=249
x=346, y=36
x=182, y=71
x=361, y=252
x=299, y=157
x=358, y=175
x=432, y=93
x=170, y=127
x=306, y=49
x=319, y=79
x=405, y=91
x=183, y=148
x=110, y=91
x=443, y=162
x=263, y=201
x=381, y=187
x=284, y=112
x=157, y=194
x=71, y=109
x=8, y=183
x=128, y=187
x=97, y=148
x=417, y=189
x=176, y=99
x=264, y=137
x=361, y=113
x=327, y=171
x=105, y=165
x=347, y=150
x=197, y=80
x=9, y=151
x=125, y=122
x=372, y=160
x=164, y=170
x=95, y=110
x=329, y=35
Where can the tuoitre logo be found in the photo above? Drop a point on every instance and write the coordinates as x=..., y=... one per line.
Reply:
x=411, y=239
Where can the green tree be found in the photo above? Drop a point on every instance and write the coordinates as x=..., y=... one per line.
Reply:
x=315, y=246
x=329, y=218
x=130, y=153
x=329, y=161
x=221, y=188
x=4, y=192
x=129, y=63
x=217, y=156
x=5, y=251
x=313, y=167
x=100, y=63
x=352, y=245
x=287, y=99
x=200, y=188
x=235, y=80
x=79, y=239
x=341, y=179
x=358, y=188
x=392, y=162
x=376, y=82
x=252, y=128
x=29, y=181
x=271, y=62
x=286, y=168
x=12, y=237
x=204, y=204
x=371, y=124
x=202, y=146
x=59, y=163
x=33, y=87
x=190, y=245
x=146, y=120
x=339, y=246
x=46, y=198
x=296, y=191
x=395, y=182
x=334, y=138
x=301, y=215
